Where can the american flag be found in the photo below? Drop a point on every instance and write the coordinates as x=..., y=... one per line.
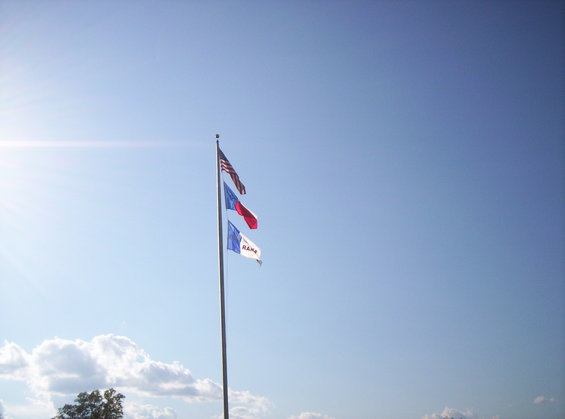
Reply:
x=228, y=168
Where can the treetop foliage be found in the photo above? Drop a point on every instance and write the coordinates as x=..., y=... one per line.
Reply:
x=94, y=406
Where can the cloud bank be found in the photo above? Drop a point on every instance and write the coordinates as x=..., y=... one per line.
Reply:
x=66, y=367
x=60, y=367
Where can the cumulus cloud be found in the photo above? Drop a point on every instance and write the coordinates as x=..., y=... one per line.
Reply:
x=543, y=399
x=62, y=367
x=311, y=415
x=13, y=361
x=65, y=367
x=451, y=413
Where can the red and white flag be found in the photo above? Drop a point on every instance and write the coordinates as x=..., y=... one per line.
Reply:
x=228, y=168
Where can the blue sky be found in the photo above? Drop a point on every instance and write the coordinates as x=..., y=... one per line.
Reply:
x=406, y=163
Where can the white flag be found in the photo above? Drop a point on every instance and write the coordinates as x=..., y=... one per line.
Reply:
x=249, y=249
x=241, y=244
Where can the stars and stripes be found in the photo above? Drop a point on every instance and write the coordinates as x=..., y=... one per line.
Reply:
x=228, y=168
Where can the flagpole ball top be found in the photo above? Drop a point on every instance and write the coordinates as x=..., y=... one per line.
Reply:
x=217, y=135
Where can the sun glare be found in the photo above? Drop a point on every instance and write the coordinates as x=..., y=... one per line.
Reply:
x=89, y=144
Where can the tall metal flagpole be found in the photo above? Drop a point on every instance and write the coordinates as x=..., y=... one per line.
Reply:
x=221, y=268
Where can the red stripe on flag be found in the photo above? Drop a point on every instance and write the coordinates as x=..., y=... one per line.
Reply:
x=228, y=168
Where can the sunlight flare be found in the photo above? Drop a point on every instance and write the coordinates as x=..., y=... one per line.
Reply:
x=95, y=144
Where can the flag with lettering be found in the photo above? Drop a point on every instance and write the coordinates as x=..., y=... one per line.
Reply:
x=241, y=244
x=233, y=203
x=228, y=168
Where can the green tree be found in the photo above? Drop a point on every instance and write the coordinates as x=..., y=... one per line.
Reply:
x=94, y=406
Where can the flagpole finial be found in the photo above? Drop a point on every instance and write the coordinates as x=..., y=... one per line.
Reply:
x=217, y=136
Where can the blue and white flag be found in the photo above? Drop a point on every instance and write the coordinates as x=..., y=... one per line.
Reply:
x=241, y=244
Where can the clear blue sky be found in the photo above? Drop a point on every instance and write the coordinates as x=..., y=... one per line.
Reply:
x=405, y=159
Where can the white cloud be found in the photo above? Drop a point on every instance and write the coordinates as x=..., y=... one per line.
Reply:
x=248, y=406
x=543, y=399
x=311, y=415
x=13, y=361
x=147, y=411
x=66, y=367
x=451, y=413
x=245, y=412
x=61, y=367
x=34, y=409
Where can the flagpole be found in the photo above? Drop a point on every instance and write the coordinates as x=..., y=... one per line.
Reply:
x=221, y=269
